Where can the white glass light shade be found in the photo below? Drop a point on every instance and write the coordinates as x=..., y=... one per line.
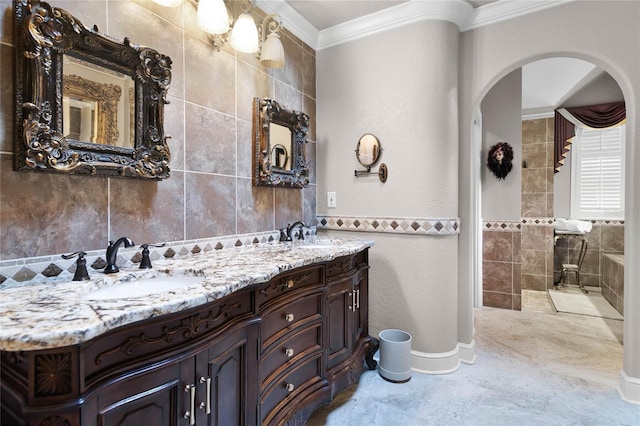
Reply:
x=272, y=55
x=244, y=36
x=168, y=3
x=213, y=17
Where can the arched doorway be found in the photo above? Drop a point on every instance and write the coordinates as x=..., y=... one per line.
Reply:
x=477, y=201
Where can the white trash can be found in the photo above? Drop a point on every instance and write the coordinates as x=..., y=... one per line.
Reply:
x=395, y=356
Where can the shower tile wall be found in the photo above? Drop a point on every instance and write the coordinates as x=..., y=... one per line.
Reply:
x=537, y=204
x=541, y=260
x=605, y=237
x=501, y=265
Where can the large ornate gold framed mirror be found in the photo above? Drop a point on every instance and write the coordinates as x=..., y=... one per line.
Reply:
x=85, y=103
x=279, y=139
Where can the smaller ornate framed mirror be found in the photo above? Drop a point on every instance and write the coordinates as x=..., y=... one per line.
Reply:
x=279, y=139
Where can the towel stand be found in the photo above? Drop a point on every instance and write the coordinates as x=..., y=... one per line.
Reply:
x=572, y=268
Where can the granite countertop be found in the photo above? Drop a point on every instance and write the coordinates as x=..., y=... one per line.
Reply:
x=55, y=314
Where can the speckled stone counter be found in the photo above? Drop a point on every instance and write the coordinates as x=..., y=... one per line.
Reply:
x=55, y=314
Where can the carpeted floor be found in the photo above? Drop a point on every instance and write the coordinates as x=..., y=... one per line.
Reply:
x=532, y=368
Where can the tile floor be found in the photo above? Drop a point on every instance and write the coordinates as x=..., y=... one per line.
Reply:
x=534, y=367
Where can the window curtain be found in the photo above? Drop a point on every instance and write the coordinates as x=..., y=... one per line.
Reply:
x=594, y=116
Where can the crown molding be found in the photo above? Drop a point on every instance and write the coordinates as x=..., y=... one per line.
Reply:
x=507, y=9
x=455, y=11
x=458, y=12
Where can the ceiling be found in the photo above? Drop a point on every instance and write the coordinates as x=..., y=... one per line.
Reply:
x=546, y=83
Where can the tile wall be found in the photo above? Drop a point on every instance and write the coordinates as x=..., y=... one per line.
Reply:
x=210, y=192
x=529, y=247
x=501, y=265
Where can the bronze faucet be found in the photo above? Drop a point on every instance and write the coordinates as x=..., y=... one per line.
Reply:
x=112, y=254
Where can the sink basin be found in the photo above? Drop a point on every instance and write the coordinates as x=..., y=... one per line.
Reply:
x=141, y=288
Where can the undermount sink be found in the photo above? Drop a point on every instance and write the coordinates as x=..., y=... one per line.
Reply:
x=139, y=288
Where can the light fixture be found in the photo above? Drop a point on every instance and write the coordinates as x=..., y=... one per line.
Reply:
x=272, y=54
x=214, y=18
x=244, y=36
x=168, y=3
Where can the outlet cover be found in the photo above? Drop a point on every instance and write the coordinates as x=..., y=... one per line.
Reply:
x=331, y=200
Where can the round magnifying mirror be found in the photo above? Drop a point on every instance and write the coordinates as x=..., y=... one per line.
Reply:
x=368, y=150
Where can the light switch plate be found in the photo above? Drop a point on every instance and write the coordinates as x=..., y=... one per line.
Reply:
x=331, y=200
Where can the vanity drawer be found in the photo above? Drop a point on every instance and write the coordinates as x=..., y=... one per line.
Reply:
x=346, y=264
x=291, y=350
x=287, y=283
x=282, y=391
x=285, y=317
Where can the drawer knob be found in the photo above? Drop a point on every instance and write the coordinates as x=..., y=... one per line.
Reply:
x=289, y=317
x=290, y=387
x=290, y=283
x=288, y=352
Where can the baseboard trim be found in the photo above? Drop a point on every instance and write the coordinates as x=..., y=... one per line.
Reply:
x=629, y=388
x=443, y=362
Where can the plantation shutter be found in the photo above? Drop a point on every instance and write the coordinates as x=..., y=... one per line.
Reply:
x=599, y=173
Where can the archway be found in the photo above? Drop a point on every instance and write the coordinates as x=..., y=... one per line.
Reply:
x=476, y=202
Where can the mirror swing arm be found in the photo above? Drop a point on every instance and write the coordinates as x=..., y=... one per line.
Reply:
x=43, y=35
x=265, y=173
x=368, y=153
x=382, y=172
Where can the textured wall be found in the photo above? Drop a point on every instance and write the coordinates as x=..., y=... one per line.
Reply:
x=408, y=98
x=209, y=193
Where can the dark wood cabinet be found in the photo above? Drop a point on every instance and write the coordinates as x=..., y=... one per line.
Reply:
x=269, y=354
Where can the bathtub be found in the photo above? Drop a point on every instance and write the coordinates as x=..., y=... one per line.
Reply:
x=613, y=280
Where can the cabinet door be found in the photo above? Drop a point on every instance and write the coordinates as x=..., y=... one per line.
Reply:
x=361, y=309
x=339, y=321
x=153, y=397
x=226, y=376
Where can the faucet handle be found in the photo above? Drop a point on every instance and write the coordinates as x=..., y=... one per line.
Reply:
x=81, y=273
x=145, y=263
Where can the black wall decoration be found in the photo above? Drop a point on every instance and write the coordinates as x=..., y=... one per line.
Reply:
x=499, y=160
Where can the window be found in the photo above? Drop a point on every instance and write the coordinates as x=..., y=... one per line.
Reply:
x=598, y=173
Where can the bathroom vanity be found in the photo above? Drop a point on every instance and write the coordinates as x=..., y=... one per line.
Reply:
x=262, y=347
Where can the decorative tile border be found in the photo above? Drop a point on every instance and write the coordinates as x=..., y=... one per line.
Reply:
x=29, y=271
x=394, y=225
x=550, y=220
x=510, y=226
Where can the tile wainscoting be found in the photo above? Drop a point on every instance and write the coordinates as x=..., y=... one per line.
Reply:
x=522, y=255
x=501, y=264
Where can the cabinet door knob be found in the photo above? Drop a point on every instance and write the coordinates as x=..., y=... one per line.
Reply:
x=289, y=317
x=288, y=352
x=290, y=387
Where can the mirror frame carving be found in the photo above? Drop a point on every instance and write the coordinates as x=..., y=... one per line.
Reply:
x=43, y=35
x=265, y=112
